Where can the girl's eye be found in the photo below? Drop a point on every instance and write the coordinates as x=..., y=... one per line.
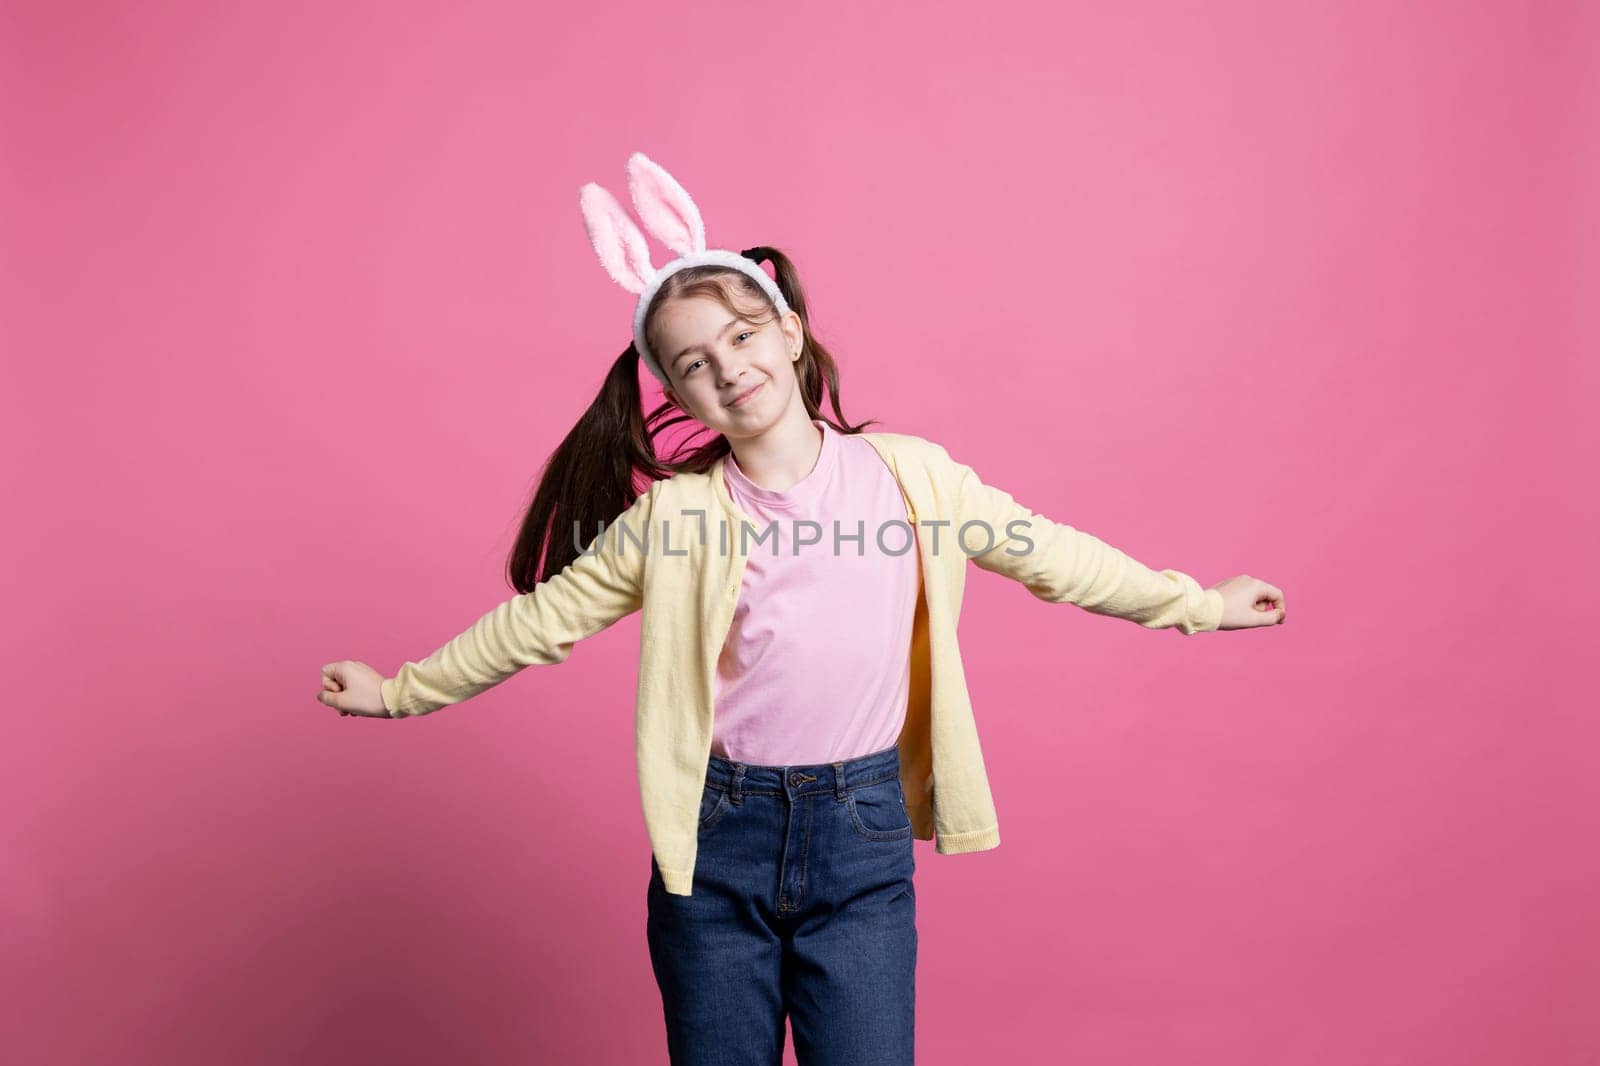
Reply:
x=747, y=333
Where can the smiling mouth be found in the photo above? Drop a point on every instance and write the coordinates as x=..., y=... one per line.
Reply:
x=738, y=401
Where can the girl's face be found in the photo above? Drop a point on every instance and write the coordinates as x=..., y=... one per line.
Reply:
x=732, y=375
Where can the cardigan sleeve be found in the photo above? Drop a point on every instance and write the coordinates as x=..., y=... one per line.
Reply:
x=539, y=626
x=1060, y=564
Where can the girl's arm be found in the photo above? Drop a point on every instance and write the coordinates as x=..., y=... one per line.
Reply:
x=1066, y=565
x=537, y=627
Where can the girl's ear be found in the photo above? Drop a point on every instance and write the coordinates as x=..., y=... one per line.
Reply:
x=617, y=241
x=664, y=207
x=794, y=333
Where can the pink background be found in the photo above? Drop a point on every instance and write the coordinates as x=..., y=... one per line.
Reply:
x=296, y=300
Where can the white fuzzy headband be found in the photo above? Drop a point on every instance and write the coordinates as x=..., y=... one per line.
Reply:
x=669, y=214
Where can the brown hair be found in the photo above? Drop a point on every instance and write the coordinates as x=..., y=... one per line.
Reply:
x=591, y=476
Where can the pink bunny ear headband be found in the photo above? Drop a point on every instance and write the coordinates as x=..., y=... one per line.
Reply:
x=673, y=218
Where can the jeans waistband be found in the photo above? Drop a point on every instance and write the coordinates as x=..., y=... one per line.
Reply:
x=737, y=777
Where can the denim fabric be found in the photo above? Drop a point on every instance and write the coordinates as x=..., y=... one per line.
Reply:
x=802, y=906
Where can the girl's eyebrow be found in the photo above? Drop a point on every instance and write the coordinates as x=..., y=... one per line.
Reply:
x=700, y=347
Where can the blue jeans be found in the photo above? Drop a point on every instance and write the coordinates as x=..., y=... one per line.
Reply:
x=802, y=906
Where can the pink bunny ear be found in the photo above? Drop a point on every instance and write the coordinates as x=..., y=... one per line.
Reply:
x=663, y=206
x=617, y=241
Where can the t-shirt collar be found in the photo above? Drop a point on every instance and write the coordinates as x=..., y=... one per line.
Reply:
x=802, y=492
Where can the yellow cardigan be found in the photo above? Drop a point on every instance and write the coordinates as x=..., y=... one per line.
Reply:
x=678, y=554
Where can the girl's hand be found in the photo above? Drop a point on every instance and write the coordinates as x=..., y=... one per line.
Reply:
x=1248, y=602
x=353, y=688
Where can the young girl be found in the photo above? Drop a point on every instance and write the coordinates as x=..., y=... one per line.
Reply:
x=802, y=711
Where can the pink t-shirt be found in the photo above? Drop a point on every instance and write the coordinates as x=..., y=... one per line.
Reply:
x=817, y=665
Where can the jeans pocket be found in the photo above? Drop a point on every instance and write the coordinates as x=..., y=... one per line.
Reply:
x=713, y=804
x=878, y=811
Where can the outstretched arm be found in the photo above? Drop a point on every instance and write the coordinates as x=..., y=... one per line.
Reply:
x=1061, y=564
x=537, y=627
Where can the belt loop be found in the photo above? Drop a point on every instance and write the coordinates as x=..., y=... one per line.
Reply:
x=838, y=781
x=736, y=792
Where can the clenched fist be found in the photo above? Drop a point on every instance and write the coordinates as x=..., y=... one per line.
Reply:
x=353, y=688
x=1248, y=602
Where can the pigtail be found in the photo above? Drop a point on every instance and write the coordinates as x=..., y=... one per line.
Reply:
x=589, y=479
